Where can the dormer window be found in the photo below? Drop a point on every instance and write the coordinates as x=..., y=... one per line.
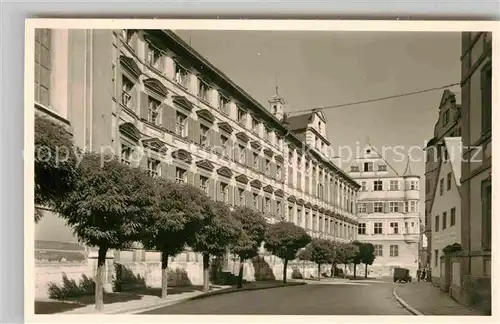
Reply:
x=368, y=151
x=255, y=125
x=154, y=57
x=223, y=104
x=368, y=167
x=203, y=91
x=241, y=116
x=181, y=76
x=127, y=35
x=382, y=167
x=354, y=168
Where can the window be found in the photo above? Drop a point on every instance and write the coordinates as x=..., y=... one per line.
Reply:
x=255, y=125
x=377, y=185
x=268, y=167
x=436, y=223
x=448, y=181
x=242, y=152
x=267, y=205
x=362, y=208
x=394, y=250
x=394, y=185
x=362, y=228
x=269, y=135
x=153, y=167
x=204, y=135
x=377, y=229
x=241, y=116
x=255, y=201
x=406, y=227
x=486, y=214
x=413, y=206
x=382, y=167
x=395, y=227
x=319, y=127
x=223, y=192
x=181, y=75
x=256, y=161
x=363, y=186
x=354, y=168
x=127, y=87
x=394, y=207
x=414, y=185
x=126, y=152
x=290, y=213
x=241, y=196
x=299, y=161
x=441, y=187
x=180, y=125
x=180, y=175
x=278, y=207
x=223, y=104
x=368, y=167
x=299, y=217
x=278, y=171
x=377, y=207
x=446, y=158
x=446, y=117
x=204, y=184
x=452, y=216
x=290, y=158
x=486, y=98
x=445, y=221
x=378, y=250
x=203, y=91
x=153, y=110
x=42, y=66
x=154, y=57
x=224, y=143
x=436, y=257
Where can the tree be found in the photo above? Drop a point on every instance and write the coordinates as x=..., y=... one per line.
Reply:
x=218, y=230
x=179, y=213
x=321, y=252
x=347, y=252
x=356, y=258
x=55, y=163
x=285, y=239
x=335, y=246
x=367, y=255
x=247, y=246
x=108, y=207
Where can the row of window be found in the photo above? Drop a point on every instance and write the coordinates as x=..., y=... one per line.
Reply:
x=368, y=167
x=378, y=228
x=393, y=250
x=394, y=185
x=444, y=220
x=205, y=93
x=411, y=206
x=43, y=66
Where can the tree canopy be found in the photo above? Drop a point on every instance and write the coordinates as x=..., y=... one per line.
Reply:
x=321, y=251
x=254, y=227
x=55, y=163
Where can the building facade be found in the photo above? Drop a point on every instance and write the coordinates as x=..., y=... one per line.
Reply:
x=389, y=215
x=150, y=98
x=447, y=125
x=475, y=188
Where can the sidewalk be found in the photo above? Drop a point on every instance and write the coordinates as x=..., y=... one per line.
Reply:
x=429, y=300
x=123, y=303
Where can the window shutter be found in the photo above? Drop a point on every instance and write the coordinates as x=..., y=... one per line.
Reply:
x=190, y=178
x=369, y=207
x=171, y=173
x=386, y=207
x=134, y=40
x=248, y=199
x=249, y=160
x=299, y=181
x=262, y=164
x=197, y=132
x=210, y=189
x=401, y=207
x=273, y=170
x=118, y=82
x=230, y=149
x=273, y=207
x=169, y=118
x=191, y=125
x=314, y=187
x=164, y=170
x=161, y=63
x=217, y=196
x=143, y=164
x=290, y=176
x=236, y=197
x=230, y=195
x=144, y=105
x=213, y=138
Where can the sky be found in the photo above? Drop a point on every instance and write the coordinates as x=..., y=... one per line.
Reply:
x=316, y=69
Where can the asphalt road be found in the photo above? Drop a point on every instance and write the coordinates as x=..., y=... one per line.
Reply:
x=310, y=299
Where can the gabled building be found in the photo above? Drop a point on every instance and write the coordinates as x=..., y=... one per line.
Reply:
x=388, y=211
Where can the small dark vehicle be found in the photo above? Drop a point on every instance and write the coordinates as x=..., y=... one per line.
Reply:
x=402, y=274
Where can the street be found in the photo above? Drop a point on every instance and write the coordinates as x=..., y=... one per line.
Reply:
x=311, y=299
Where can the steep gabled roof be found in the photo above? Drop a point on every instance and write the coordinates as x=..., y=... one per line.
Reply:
x=299, y=122
x=454, y=148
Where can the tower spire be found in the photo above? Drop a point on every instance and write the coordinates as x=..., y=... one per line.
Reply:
x=408, y=167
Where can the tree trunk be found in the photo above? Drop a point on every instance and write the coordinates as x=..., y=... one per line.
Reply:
x=240, y=274
x=206, y=266
x=319, y=271
x=345, y=270
x=99, y=288
x=366, y=271
x=284, y=270
x=164, y=275
x=333, y=270
x=355, y=265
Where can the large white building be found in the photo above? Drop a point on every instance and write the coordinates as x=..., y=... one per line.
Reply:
x=389, y=215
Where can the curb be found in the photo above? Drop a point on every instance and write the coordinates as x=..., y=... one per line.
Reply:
x=405, y=304
x=205, y=295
